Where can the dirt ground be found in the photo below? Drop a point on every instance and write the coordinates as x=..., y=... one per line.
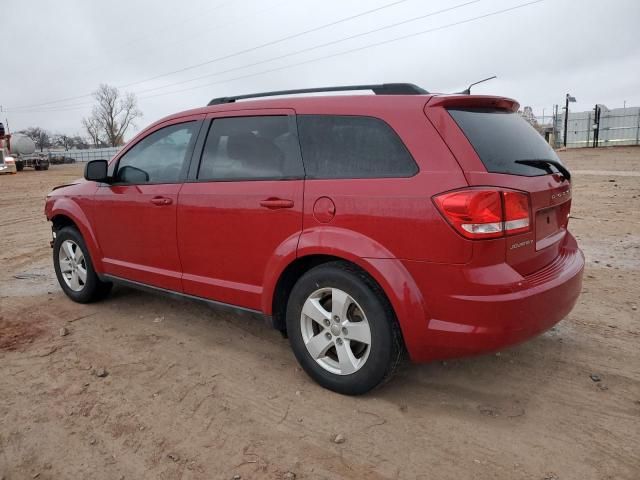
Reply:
x=191, y=393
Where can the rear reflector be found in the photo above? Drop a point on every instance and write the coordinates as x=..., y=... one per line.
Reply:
x=486, y=213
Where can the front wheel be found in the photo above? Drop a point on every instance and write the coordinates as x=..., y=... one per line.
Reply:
x=342, y=329
x=74, y=269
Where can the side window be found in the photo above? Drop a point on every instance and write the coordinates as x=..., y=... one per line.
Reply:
x=352, y=147
x=251, y=148
x=159, y=157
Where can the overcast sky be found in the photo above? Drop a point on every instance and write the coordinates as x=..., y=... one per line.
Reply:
x=63, y=50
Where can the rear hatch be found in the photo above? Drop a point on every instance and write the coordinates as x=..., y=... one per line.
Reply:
x=497, y=148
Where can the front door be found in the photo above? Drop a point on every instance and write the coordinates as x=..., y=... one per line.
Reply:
x=135, y=215
x=244, y=203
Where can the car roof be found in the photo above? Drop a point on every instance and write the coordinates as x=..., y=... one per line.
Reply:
x=311, y=104
x=364, y=104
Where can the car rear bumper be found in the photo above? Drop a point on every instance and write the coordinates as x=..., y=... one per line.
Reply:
x=479, y=310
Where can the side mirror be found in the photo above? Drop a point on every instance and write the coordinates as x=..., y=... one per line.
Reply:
x=96, y=171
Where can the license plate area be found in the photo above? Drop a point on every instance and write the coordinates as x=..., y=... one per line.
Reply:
x=551, y=224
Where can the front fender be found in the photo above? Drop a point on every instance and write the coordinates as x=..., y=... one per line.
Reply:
x=392, y=276
x=70, y=208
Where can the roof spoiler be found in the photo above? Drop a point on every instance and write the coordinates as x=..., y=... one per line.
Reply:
x=381, y=89
x=473, y=101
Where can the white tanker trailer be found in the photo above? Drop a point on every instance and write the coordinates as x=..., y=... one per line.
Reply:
x=17, y=151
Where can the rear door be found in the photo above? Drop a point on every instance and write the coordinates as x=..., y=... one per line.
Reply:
x=244, y=201
x=489, y=139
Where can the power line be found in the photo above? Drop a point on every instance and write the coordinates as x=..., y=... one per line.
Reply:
x=61, y=108
x=315, y=47
x=224, y=25
x=164, y=26
x=268, y=44
x=344, y=52
x=226, y=57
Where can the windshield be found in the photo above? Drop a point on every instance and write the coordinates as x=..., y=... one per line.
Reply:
x=501, y=138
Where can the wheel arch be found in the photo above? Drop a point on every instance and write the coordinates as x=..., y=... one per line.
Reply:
x=287, y=279
x=61, y=220
x=67, y=213
x=390, y=275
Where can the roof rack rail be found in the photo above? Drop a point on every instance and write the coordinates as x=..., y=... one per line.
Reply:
x=381, y=89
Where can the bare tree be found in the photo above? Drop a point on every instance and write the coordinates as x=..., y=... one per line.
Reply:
x=113, y=114
x=63, y=140
x=530, y=117
x=79, y=142
x=40, y=137
x=92, y=126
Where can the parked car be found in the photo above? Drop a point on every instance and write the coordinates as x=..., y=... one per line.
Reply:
x=60, y=159
x=362, y=227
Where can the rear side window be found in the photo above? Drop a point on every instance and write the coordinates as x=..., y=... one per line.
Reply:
x=500, y=138
x=352, y=147
x=251, y=148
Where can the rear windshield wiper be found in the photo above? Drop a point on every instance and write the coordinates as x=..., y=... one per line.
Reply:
x=544, y=164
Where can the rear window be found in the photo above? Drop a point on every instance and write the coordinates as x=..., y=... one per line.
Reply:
x=335, y=146
x=500, y=138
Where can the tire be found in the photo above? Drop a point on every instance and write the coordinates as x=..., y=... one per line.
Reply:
x=45, y=166
x=92, y=288
x=19, y=166
x=37, y=168
x=370, y=364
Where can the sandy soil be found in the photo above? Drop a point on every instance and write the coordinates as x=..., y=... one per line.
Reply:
x=191, y=393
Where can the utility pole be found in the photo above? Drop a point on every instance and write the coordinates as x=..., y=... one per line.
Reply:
x=568, y=98
x=554, y=119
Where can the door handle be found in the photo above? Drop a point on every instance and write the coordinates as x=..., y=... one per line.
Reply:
x=161, y=201
x=275, y=203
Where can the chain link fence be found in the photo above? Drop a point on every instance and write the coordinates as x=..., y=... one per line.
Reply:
x=85, y=155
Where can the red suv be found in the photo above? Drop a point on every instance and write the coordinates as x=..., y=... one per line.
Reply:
x=361, y=226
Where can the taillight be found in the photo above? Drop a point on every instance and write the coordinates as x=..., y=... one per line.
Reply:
x=516, y=212
x=486, y=213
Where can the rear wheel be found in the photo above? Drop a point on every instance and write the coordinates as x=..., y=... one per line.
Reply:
x=19, y=166
x=74, y=269
x=342, y=329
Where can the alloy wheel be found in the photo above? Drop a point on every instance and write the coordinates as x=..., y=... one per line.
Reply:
x=73, y=265
x=335, y=331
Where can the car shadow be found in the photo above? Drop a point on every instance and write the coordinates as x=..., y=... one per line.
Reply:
x=497, y=385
